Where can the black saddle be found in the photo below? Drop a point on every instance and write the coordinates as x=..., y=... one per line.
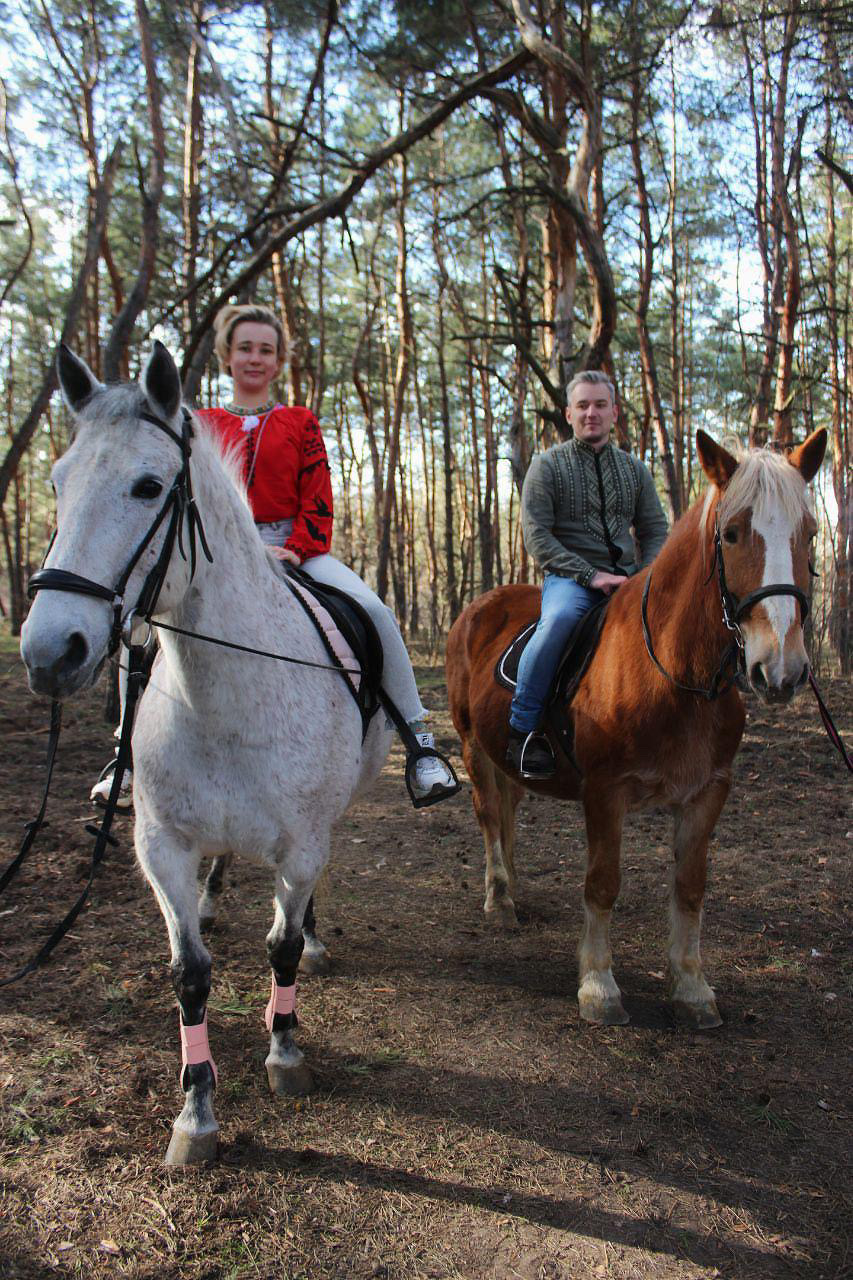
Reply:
x=356, y=626
x=580, y=647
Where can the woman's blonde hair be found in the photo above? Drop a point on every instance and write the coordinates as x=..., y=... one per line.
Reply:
x=235, y=313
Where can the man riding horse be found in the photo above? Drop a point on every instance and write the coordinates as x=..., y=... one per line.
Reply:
x=582, y=501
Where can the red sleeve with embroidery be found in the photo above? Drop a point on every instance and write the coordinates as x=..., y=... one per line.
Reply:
x=312, y=526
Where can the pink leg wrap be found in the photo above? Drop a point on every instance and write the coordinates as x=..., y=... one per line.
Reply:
x=282, y=1000
x=195, y=1046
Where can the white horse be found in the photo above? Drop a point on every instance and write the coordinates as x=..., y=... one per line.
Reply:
x=232, y=752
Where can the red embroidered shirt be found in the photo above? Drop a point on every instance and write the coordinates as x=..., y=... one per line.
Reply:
x=286, y=471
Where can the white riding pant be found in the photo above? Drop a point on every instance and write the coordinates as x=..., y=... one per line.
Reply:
x=398, y=678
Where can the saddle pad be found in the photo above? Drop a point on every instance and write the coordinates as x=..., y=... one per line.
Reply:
x=343, y=652
x=349, y=635
x=576, y=658
x=506, y=672
x=579, y=649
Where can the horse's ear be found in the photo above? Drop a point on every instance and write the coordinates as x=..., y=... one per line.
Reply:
x=808, y=456
x=717, y=463
x=161, y=382
x=76, y=380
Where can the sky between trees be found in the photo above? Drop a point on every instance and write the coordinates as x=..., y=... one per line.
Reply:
x=454, y=206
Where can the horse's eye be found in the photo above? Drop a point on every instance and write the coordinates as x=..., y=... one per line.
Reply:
x=730, y=534
x=147, y=487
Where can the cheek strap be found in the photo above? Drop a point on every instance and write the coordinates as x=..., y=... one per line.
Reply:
x=195, y=1047
x=282, y=1000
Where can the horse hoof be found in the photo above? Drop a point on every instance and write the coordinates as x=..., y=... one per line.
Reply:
x=603, y=1013
x=315, y=964
x=192, y=1148
x=502, y=916
x=294, y=1081
x=697, y=1017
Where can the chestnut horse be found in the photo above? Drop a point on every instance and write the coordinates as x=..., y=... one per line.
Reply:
x=656, y=725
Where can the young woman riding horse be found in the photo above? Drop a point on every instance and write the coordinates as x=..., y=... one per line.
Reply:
x=657, y=719
x=290, y=493
x=286, y=474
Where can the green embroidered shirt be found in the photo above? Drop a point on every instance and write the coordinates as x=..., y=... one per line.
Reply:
x=575, y=499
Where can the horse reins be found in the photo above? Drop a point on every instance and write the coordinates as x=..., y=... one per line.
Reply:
x=179, y=503
x=732, y=663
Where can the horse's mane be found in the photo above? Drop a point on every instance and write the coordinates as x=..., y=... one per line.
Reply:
x=764, y=479
x=229, y=455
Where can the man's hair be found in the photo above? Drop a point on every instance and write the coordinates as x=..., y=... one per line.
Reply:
x=230, y=316
x=596, y=377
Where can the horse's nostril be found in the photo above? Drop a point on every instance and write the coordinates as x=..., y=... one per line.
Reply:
x=76, y=652
x=757, y=678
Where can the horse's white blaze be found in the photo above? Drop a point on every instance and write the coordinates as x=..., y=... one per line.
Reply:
x=775, y=530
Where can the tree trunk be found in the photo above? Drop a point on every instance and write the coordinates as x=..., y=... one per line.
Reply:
x=191, y=193
x=28, y=427
x=401, y=376
x=114, y=354
x=647, y=354
x=841, y=626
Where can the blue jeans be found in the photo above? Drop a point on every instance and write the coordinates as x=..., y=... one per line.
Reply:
x=564, y=602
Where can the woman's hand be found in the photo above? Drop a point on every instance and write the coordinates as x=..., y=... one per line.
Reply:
x=283, y=553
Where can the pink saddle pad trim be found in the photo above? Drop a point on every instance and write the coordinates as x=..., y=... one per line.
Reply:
x=195, y=1046
x=342, y=651
x=282, y=1000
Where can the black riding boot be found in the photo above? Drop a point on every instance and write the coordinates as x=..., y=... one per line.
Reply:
x=530, y=755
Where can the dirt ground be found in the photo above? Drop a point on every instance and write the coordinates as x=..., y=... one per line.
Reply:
x=465, y=1124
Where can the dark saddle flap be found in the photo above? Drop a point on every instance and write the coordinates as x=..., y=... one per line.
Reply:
x=580, y=647
x=356, y=626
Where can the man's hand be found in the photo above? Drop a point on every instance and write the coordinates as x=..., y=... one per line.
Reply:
x=606, y=582
x=284, y=553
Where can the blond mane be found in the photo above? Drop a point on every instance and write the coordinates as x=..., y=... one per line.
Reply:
x=764, y=481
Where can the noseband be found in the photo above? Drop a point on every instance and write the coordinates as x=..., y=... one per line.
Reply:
x=179, y=503
x=732, y=664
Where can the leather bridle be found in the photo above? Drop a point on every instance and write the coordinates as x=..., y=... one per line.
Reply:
x=732, y=664
x=179, y=503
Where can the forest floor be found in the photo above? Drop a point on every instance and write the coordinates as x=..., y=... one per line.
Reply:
x=465, y=1124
